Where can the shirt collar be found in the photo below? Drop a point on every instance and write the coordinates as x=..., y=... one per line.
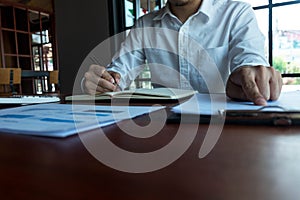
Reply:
x=163, y=12
x=207, y=8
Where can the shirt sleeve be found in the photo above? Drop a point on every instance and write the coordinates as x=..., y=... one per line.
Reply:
x=129, y=61
x=247, y=43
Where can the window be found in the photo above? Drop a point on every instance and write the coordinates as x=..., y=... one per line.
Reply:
x=277, y=21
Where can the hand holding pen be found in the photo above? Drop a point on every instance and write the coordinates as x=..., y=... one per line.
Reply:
x=99, y=80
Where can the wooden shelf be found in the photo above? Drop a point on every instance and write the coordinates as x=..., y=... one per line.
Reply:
x=27, y=41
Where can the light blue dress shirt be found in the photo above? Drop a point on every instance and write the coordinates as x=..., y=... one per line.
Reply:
x=198, y=54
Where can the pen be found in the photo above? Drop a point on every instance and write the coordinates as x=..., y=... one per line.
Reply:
x=116, y=84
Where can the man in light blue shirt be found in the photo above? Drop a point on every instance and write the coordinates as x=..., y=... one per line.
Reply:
x=194, y=44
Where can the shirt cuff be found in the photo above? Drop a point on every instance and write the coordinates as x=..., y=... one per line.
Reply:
x=82, y=85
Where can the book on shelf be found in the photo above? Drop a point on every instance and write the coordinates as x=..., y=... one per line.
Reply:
x=137, y=94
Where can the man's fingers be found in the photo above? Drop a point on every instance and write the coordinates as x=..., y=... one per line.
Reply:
x=275, y=85
x=249, y=92
x=234, y=91
x=257, y=84
x=93, y=87
x=116, y=76
x=261, y=76
x=100, y=72
x=98, y=80
x=268, y=81
x=107, y=76
x=252, y=87
x=97, y=70
x=253, y=94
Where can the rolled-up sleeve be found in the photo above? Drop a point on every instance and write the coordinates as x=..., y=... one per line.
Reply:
x=246, y=46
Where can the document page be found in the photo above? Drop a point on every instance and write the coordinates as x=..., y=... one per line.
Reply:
x=211, y=104
x=61, y=120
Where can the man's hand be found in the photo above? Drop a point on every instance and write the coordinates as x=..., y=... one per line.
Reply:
x=257, y=84
x=98, y=80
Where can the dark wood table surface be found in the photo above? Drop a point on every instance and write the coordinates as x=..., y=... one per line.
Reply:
x=248, y=162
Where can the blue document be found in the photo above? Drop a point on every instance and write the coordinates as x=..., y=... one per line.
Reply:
x=61, y=120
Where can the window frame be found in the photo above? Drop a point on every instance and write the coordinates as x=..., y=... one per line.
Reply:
x=270, y=7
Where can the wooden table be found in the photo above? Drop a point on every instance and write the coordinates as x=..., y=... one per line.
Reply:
x=248, y=162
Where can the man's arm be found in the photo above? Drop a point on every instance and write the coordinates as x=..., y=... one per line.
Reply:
x=251, y=79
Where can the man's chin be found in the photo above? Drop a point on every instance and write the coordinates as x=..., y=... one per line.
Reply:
x=179, y=2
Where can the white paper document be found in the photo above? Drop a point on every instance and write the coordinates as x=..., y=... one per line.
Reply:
x=61, y=120
x=211, y=104
x=23, y=100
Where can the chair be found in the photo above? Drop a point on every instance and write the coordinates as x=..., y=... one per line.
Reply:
x=10, y=79
x=53, y=79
